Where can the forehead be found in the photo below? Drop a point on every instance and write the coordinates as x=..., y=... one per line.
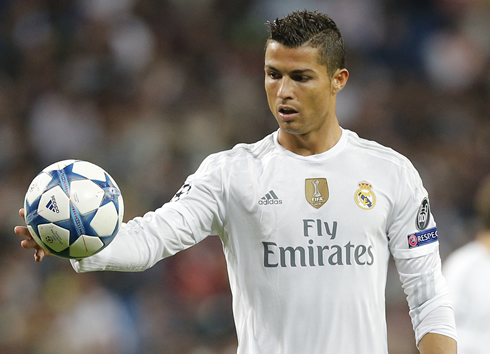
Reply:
x=285, y=58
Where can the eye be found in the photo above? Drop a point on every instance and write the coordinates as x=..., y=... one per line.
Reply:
x=274, y=75
x=301, y=78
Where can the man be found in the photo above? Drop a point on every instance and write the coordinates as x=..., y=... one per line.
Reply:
x=307, y=216
x=467, y=271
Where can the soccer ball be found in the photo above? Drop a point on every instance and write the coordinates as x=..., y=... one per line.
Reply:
x=73, y=209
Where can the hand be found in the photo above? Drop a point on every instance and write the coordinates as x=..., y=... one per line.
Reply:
x=29, y=242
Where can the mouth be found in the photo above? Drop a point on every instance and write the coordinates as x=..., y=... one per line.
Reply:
x=287, y=112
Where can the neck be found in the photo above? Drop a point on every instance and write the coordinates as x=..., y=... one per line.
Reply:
x=311, y=143
x=484, y=238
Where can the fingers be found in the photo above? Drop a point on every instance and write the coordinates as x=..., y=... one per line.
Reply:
x=39, y=255
x=28, y=242
x=22, y=231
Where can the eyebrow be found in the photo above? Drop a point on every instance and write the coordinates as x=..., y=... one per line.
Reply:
x=295, y=72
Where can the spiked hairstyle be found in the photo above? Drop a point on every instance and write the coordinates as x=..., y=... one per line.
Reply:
x=313, y=29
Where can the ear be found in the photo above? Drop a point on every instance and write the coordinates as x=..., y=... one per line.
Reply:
x=339, y=79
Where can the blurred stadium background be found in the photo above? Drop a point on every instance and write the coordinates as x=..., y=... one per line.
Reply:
x=148, y=88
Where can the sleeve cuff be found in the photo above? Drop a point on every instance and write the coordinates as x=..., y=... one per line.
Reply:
x=439, y=321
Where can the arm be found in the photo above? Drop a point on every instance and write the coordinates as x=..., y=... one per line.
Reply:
x=186, y=220
x=143, y=241
x=431, y=310
x=138, y=246
x=417, y=259
x=433, y=343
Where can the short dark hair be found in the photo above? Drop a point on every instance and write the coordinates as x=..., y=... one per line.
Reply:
x=482, y=203
x=314, y=29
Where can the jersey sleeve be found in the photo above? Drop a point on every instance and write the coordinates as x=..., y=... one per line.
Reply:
x=414, y=244
x=193, y=213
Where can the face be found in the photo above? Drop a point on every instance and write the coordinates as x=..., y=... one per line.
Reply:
x=299, y=90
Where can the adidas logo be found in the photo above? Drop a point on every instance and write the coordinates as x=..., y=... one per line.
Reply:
x=52, y=205
x=270, y=199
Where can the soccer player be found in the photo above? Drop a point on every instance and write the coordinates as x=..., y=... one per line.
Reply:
x=467, y=271
x=308, y=218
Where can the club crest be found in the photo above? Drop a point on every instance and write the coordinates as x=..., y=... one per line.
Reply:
x=316, y=191
x=364, y=196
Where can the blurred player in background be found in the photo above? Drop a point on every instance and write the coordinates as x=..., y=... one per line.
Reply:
x=308, y=218
x=468, y=276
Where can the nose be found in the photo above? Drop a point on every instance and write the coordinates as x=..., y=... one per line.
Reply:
x=285, y=90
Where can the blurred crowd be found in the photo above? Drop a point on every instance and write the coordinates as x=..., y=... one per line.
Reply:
x=148, y=88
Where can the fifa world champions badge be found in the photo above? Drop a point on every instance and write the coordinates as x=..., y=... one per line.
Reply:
x=364, y=196
x=316, y=191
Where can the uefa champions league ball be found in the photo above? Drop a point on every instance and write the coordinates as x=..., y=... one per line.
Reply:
x=73, y=209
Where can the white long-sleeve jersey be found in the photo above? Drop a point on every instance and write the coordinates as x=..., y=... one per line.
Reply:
x=307, y=242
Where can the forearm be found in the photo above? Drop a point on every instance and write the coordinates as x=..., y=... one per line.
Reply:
x=433, y=343
x=141, y=243
x=129, y=252
x=431, y=310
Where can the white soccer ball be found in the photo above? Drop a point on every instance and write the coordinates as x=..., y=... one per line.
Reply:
x=73, y=209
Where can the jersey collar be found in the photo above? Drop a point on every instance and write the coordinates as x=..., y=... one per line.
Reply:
x=317, y=157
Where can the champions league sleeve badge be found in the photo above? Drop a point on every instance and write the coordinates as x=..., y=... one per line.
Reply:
x=364, y=196
x=182, y=192
x=423, y=215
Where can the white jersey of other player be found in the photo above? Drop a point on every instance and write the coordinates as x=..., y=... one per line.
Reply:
x=466, y=271
x=307, y=242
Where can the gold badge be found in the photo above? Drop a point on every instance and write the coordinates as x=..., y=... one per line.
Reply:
x=316, y=191
x=364, y=196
